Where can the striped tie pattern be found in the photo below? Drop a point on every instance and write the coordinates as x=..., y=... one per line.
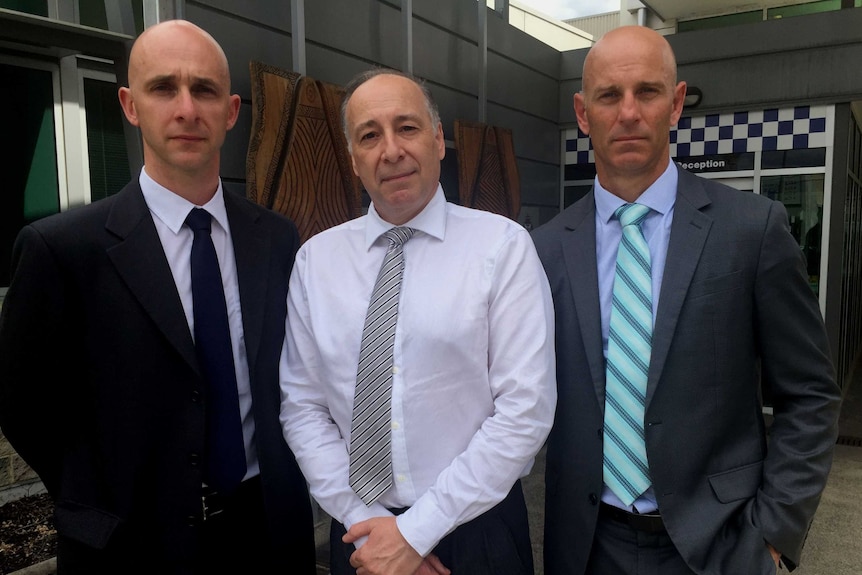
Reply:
x=625, y=468
x=370, y=435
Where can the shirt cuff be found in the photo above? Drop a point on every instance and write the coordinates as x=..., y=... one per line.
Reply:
x=361, y=513
x=424, y=525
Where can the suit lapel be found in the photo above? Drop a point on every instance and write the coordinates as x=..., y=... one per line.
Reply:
x=579, y=251
x=251, y=244
x=688, y=234
x=140, y=260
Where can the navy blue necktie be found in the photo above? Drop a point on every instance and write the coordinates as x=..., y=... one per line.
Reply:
x=225, y=451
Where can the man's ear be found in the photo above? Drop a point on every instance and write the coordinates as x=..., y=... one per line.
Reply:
x=678, y=100
x=234, y=103
x=581, y=112
x=127, y=102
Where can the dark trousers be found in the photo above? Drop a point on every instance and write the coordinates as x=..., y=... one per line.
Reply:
x=495, y=543
x=621, y=550
x=233, y=541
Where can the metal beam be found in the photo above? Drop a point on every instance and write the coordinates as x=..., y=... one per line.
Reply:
x=407, y=21
x=483, y=60
x=297, y=35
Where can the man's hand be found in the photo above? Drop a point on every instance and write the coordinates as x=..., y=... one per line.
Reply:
x=387, y=552
x=776, y=556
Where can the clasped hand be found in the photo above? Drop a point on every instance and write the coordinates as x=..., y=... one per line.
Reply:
x=387, y=552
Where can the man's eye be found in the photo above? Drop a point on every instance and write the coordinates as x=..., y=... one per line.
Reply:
x=408, y=128
x=367, y=136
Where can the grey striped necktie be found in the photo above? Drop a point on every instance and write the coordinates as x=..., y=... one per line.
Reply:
x=626, y=470
x=370, y=434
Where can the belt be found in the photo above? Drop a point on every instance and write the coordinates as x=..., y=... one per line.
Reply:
x=646, y=522
x=214, y=503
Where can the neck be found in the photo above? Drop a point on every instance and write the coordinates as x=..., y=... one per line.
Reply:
x=194, y=187
x=628, y=187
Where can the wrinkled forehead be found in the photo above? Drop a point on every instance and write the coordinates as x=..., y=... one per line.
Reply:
x=386, y=98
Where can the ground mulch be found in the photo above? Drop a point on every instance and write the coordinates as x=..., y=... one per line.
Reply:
x=27, y=534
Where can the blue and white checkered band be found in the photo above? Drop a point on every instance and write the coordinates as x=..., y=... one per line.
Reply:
x=731, y=133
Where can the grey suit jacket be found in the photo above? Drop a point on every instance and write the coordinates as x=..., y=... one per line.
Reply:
x=735, y=308
x=101, y=393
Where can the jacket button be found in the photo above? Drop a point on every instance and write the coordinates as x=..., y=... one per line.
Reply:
x=601, y=433
x=194, y=459
x=193, y=520
x=196, y=396
x=594, y=499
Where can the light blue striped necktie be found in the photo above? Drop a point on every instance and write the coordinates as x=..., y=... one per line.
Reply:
x=370, y=472
x=626, y=470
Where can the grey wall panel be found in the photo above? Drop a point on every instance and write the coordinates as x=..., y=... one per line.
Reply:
x=367, y=29
x=510, y=42
x=242, y=41
x=764, y=80
x=772, y=63
x=513, y=85
x=770, y=37
x=453, y=105
x=270, y=14
x=235, y=149
x=567, y=104
x=572, y=64
x=332, y=66
x=540, y=183
x=458, y=17
x=444, y=58
x=534, y=138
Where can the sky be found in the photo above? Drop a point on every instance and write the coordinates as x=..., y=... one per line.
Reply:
x=565, y=9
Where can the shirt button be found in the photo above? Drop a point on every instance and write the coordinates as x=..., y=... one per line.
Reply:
x=395, y=369
x=401, y=478
x=395, y=425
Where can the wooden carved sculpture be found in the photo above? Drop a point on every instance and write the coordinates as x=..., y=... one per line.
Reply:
x=297, y=162
x=487, y=170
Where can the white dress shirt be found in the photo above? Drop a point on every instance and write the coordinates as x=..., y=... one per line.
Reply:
x=473, y=393
x=169, y=213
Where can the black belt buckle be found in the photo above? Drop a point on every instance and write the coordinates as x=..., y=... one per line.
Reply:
x=646, y=522
x=212, y=503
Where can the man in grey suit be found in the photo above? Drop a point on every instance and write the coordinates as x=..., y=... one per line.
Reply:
x=658, y=461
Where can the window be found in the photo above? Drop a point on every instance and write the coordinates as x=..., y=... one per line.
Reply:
x=64, y=143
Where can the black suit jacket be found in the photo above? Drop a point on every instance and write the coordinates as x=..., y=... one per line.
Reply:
x=735, y=307
x=101, y=392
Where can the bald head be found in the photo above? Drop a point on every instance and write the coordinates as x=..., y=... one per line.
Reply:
x=645, y=43
x=629, y=101
x=179, y=96
x=178, y=35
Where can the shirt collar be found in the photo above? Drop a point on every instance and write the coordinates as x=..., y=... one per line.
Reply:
x=431, y=220
x=659, y=197
x=172, y=209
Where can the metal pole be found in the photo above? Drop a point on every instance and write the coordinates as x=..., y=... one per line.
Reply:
x=483, y=59
x=297, y=34
x=407, y=20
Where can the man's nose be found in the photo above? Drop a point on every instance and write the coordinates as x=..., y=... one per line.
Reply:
x=629, y=107
x=392, y=149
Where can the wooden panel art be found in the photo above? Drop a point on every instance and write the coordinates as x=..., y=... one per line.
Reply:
x=487, y=170
x=297, y=161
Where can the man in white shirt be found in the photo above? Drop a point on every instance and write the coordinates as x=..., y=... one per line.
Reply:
x=472, y=357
